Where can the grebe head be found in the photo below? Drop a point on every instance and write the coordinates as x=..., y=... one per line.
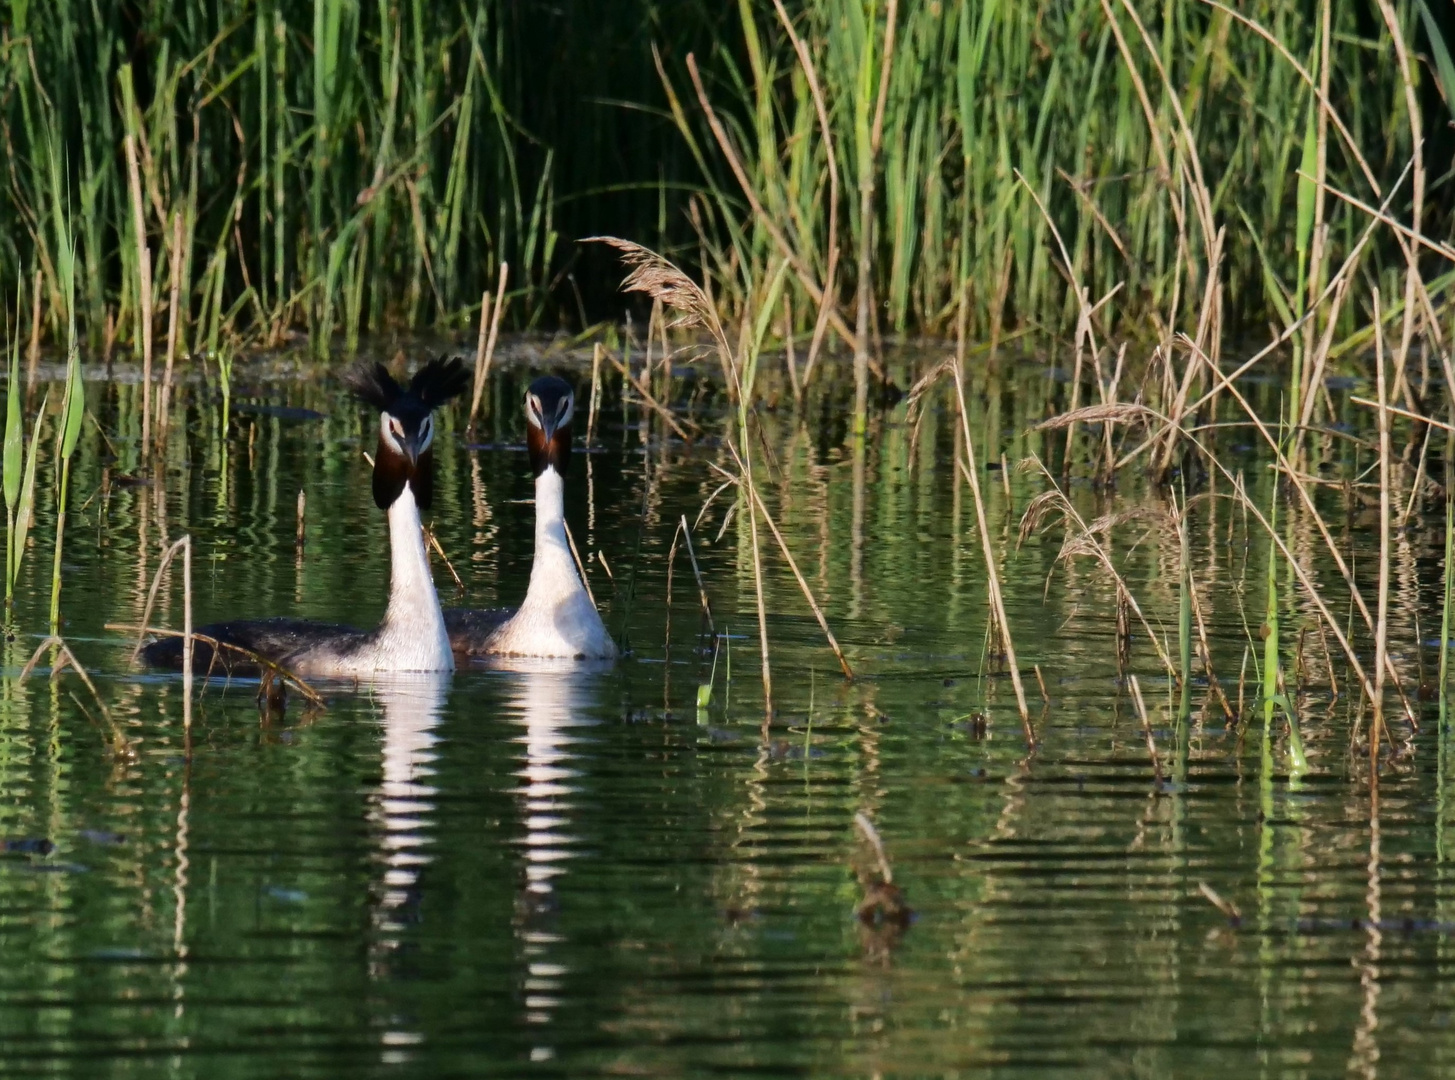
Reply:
x=406, y=428
x=549, y=406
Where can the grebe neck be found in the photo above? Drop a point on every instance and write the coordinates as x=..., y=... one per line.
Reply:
x=557, y=617
x=413, y=627
x=553, y=571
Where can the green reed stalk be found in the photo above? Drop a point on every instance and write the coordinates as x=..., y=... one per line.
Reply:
x=1445, y=606
x=24, y=503
x=12, y=465
x=1270, y=621
x=1184, y=612
x=1303, y=234
x=73, y=409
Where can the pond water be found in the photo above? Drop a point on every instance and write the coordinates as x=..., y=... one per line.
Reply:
x=582, y=873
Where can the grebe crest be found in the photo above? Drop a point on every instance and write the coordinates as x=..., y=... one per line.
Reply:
x=406, y=426
x=412, y=636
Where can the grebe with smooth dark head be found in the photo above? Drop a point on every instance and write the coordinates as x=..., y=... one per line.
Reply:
x=412, y=635
x=557, y=618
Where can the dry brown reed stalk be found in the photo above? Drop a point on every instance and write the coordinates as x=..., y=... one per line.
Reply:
x=1205, y=648
x=117, y=741
x=987, y=548
x=789, y=360
x=575, y=556
x=1141, y=707
x=1208, y=336
x=1202, y=199
x=659, y=279
x=32, y=358
x=187, y=639
x=146, y=612
x=1351, y=147
x=1395, y=410
x=762, y=605
x=480, y=338
x=868, y=179
x=697, y=575
x=595, y=392
x=871, y=836
x=1314, y=378
x=266, y=665
x=1085, y=334
x=1381, y=625
x=1305, y=496
x=1320, y=356
x=1229, y=910
x=1381, y=215
x=174, y=303
x=683, y=533
x=144, y=275
x=1417, y=185
x=184, y=545
x=651, y=338
x=651, y=402
x=1310, y=589
x=826, y=299
x=801, y=270
x=486, y=352
x=1112, y=412
x=433, y=543
x=818, y=614
x=1345, y=271
x=1083, y=539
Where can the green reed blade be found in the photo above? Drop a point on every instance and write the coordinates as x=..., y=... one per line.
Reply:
x=1184, y=611
x=14, y=436
x=1444, y=69
x=1449, y=585
x=1270, y=621
x=25, y=504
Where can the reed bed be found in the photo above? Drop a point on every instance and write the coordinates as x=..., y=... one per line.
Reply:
x=1168, y=200
x=256, y=169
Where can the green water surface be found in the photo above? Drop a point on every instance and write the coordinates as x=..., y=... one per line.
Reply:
x=580, y=873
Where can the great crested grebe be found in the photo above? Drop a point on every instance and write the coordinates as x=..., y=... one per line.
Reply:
x=557, y=618
x=412, y=636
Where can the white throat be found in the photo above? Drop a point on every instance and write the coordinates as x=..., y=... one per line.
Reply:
x=557, y=617
x=412, y=636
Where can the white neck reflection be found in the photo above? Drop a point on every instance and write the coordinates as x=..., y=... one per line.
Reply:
x=552, y=700
x=411, y=704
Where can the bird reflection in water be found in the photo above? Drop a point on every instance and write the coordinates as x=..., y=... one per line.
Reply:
x=402, y=813
x=551, y=700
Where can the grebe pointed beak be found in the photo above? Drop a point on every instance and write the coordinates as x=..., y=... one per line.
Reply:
x=411, y=449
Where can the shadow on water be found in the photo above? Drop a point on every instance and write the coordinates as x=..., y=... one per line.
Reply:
x=580, y=872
